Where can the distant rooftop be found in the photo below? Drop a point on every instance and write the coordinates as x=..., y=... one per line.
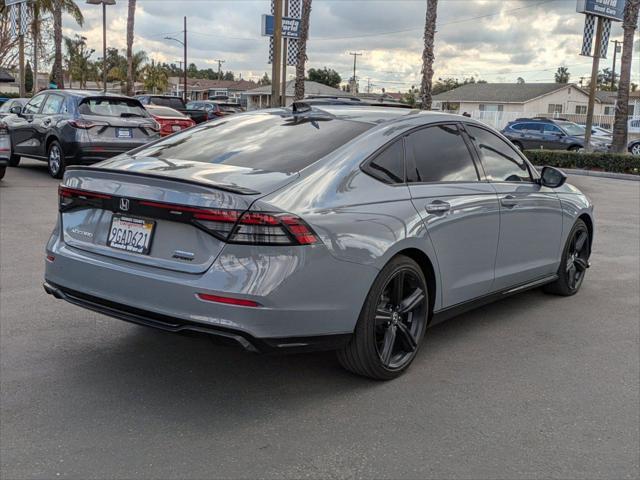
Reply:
x=500, y=92
x=310, y=88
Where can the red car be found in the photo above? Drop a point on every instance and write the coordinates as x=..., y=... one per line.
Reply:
x=170, y=120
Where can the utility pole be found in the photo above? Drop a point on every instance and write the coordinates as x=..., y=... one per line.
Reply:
x=185, y=59
x=613, y=69
x=355, y=56
x=220, y=62
x=592, y=86
x=277, y=54
x=20, y=50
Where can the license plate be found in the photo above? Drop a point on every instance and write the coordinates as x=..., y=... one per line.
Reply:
x=131, y=234
x=176, y=128
x=123, y=133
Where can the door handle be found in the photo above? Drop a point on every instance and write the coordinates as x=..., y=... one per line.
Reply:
x=509, y=201
x=438, y=207
x=46, y=122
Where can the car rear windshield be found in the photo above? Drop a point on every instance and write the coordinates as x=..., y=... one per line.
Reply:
x=263, y=141
x=168, y=102
x=164, y=112
x=112, y=107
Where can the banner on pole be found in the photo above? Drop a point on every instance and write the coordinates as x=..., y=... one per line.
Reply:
x=290, y=23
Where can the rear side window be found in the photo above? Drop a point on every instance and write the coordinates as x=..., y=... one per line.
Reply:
x=550, y=128
x=501, y=162
x=112, y=107
x=439, y=154
x=532, y=127
x=168, y=102
x=388, y=166
x=263, y=141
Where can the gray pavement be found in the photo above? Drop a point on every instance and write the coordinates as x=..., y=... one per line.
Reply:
x=534, y=386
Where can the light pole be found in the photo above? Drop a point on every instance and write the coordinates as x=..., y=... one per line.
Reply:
x=184, y=45
x=104, y=36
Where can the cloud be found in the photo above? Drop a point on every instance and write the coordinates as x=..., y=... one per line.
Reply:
x=490, y=39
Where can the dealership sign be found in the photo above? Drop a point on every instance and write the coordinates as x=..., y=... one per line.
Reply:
x=290, y=26
x=612, y=9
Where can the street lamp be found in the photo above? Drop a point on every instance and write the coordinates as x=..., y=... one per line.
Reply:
x=104, y=36
x=184, y=46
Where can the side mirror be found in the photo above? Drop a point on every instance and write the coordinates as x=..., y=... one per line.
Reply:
x=16, y=109
x=552, y=177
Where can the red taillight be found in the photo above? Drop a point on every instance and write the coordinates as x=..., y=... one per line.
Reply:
x=70, y=196
x=82, y=124
x=227, y=300
x=50, y=258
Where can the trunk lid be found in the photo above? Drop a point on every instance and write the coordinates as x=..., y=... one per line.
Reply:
x=161, y=193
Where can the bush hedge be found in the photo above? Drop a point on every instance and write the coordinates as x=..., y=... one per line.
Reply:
x=608, y=162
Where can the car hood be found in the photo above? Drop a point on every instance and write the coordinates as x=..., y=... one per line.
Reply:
x=244, y=180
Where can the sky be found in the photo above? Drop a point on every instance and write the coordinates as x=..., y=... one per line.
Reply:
x=495, y=40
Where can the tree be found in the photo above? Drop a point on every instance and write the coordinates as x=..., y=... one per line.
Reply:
x=28, y=78
x=629, y=26
x=428, y=55
x=229, y=76
x=302, y=50
x=79, y=64
x=131, y=14
x=326, y=76
x=562, y=75
x=155, y=77
x=8, y=45
x=605, y=79
x=265, y=80
x=410, y=97
x=57, y=7
x=520, y=81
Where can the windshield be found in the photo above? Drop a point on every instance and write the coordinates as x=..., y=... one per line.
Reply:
x=112, y=107
x=572, y=129
x=261, y=141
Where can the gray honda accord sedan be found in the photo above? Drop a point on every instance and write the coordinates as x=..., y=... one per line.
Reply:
x=332, y=227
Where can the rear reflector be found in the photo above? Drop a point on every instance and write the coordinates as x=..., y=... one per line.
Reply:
x=227, y=300
x=50, y=258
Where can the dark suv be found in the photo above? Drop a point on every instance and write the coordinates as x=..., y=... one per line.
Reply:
x=552, y=134
x=66, y=127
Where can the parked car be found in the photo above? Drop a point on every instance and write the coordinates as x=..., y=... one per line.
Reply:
x=176, y=103
x=634, y=147
x=170, y=120
x=552, y=134
x=601, y=132
x=66, y=127
x=5, y=149
x=5, y=108
x=215, y=109
x=391, y=221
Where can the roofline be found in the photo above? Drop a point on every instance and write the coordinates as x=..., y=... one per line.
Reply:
x=561, y=86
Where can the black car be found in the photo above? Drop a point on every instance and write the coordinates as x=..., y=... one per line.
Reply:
x=65, y=127
x=215, y=108
x=552, y=134
x=176, y=103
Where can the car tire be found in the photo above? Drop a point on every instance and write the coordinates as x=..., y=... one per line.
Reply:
x=3, y=170
x=392, y=323
x=518, y=145
x=574, y=262
x=55, y=160
x=635, y=149
x=14, y=160
x=575, y=148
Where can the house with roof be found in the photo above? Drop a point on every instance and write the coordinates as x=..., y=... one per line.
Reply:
x=205, y=89
x=261, y=97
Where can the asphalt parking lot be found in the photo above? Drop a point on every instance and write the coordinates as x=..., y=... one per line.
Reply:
x=534, y=386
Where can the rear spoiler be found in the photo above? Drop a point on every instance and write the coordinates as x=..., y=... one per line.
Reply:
x=219, y=186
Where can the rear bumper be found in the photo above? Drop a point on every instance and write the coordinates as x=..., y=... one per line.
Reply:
x=175, y=325
x=96, y=152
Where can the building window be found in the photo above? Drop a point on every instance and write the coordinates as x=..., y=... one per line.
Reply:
x=609, y=110
x=491, y=110
x=555, y=108
x=632, y=109
x=581, y=109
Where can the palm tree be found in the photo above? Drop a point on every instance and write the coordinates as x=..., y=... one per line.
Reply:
x=629, y=25
x=562, y=75
x=57, y=7
x=155, y=77
x=130, y=21
x=427, y=54
x=302, y=50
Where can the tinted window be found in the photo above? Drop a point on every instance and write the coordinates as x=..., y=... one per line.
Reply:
x=439, y=154
x=112, y=107
x=34, y=105
x=533, y=127
x=52, y=104
x=261, y=140
x=388, y=166
x=172, y=102
x=549, y=128
x=501, y=162
x=518, y=126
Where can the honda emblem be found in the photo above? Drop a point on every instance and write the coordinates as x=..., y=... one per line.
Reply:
x=124, y=204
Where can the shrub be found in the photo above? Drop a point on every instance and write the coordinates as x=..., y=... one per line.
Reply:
x=609, y=162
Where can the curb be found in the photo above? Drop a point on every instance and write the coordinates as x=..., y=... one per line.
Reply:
x=594, y=173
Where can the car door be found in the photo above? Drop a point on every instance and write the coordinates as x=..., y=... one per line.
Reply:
x=47, y=119
x=530, y=214
x=532, y=133
x=460, y=212
x=553, y=137
x=22, y=127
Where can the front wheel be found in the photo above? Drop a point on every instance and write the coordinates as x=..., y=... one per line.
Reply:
x=55, y=160
x=3, y=170
x=392, y=323
x=635, y=149
x=574, y=263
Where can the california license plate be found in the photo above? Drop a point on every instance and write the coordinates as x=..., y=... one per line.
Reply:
x=123, y=133
x=176, y=128
x=131, y=234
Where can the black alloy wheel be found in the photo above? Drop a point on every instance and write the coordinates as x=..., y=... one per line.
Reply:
x=574, y=263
